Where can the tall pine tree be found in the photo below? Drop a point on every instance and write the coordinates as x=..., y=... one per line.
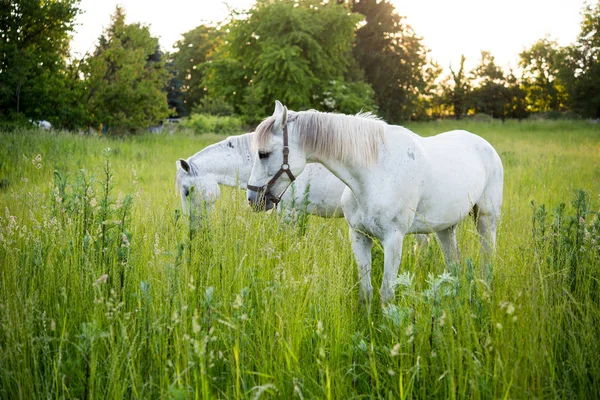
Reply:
x=126, y=78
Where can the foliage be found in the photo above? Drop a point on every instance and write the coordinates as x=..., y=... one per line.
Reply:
x=206, y=123
x=348, y=97
x=516, y=106
x=174, y=90
x=393, y=59
x=213, y=314
x=125, y=78
x=457, y=92
x=34, y=46
x=581, y=65
x=286, y=50
x=340, y=56
x=541, y=64
x=193, y=50
x=491, y=95
x=213, y=106
x=153, y=307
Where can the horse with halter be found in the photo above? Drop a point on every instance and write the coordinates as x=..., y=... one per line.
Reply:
x=398, y=183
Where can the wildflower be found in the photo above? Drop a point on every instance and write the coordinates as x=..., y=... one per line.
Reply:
x=297, y=389
x=498, y=326
x=101, y=280
x=93, y=202
x=319, y=327
x=409, y=330
x=391, y=372
x=510, y=309
x=195, y=324
x=125, y=241
x=443, y=318
x=239, y=302
x=395, y=350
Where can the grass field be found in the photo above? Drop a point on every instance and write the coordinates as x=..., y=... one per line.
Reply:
x=107, y=291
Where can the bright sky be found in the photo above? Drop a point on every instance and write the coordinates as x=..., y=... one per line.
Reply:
x=449, y=27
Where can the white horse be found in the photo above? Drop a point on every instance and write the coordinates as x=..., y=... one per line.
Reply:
x=398, y=182
x=229, y=163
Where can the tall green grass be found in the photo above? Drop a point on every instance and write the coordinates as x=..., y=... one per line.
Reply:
x=108, y=291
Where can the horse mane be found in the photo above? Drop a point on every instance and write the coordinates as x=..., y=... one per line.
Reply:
x=346, y=138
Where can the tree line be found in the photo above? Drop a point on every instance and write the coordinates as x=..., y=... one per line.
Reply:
x=343, y=56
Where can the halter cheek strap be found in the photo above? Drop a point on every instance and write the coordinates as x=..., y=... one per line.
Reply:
x=284, y=169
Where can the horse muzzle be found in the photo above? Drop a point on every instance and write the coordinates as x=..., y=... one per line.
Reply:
x=261, y=200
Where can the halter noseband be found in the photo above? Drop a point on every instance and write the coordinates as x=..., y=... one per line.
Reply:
x=285, y=168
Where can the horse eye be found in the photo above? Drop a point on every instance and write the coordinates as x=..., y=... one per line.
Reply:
x=187, y=192
x=263, y=154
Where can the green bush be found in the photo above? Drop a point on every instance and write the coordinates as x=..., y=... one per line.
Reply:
x=204, y=123
x=215, y=106
x=348, y=97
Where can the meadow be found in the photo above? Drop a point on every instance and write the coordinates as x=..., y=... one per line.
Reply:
x=108, y=291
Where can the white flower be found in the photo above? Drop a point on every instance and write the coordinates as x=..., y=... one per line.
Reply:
x=101, y=280
x=239, y=302
x=395, y=350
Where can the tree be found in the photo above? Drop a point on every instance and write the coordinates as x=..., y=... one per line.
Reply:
x=491, y=95
x=194, y=50
x=393, y=59
x=126, y=77
x=516, y=107
x=580, y=69
x=540, y=64
x=293, y=51
x=34, y=46
x=456, y=95
x=175, y=90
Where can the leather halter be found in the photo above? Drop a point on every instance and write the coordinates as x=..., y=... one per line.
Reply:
x=265, y=191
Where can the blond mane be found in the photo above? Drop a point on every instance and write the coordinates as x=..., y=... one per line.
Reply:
x=346, y=138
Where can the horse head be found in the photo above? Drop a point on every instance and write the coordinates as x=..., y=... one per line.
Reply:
x=277, y=162
x=195, y=191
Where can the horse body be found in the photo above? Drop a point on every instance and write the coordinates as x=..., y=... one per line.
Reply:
x=413, y=184
x=229, y=163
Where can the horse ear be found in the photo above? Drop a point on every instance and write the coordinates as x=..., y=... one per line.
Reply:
x=184, y=164
x=280, y=115
x=278, y=107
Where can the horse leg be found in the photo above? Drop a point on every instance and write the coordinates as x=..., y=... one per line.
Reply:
x=486, y=220
x=392, y=251
x=361, y=246
x=449, y=245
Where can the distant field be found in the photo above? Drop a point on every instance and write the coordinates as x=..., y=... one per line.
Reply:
x=107, y=291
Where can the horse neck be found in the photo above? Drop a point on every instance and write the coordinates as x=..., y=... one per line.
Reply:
x=345, y=172
x=354, y=176
x=227, y=165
